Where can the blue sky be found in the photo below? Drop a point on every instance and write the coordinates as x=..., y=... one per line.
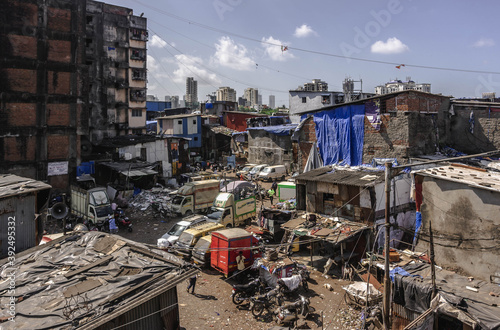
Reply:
x=237, y=43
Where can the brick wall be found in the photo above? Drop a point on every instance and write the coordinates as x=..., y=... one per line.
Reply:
x=413, y=101
x=21, y=114
x=22, y=46
x=59, y=19
x=59, y=51
x=57, y=147
x=20, y=80
x=18, y=149
x=58, y=114
x=58, y=82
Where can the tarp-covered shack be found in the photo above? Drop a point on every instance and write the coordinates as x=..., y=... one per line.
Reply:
x=92, y=281
x=20, y=202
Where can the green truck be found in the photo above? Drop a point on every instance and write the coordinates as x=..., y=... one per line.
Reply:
x=232, y=213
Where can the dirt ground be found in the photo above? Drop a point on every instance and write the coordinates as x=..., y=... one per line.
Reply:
x=211, y=306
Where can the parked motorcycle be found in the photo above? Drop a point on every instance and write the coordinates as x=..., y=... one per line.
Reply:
x=265, y=301
x=291, y=312
x=122, y=221
x=243, y=292
x=288, y=285
x=300, y=269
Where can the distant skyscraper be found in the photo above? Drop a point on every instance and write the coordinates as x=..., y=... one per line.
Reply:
x=399, y=85
x=252, y=96
x=175, y=101
x=316, y=86
x=226, y=94
x=272, y=101
x=259, y=99
x=191, y=91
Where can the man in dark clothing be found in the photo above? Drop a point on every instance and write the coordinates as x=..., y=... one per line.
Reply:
x=274, y=186
x=192, y=283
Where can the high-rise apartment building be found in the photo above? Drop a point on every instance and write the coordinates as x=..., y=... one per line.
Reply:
x=191, y=91
x=272, y=101
x=116, y=55
x=315, y=86
x=226, y=94
x=252, y=96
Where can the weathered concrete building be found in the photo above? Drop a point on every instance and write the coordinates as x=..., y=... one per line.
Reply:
x=474, y=125
x=116, y=55
x=271, y=145
x=398, y=125
x=463, y=204
x=44, y=83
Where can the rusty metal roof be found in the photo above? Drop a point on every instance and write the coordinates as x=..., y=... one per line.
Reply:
x=11, y=185
x=359, y=177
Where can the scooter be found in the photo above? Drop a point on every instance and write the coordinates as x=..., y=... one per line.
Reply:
x=291, y=312
x=243, y=292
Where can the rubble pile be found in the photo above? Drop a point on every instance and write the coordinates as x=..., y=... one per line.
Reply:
x=153, y=201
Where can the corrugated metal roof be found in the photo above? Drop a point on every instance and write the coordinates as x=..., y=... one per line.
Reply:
x=11, y=185
x=467, y=175
x=351, y=177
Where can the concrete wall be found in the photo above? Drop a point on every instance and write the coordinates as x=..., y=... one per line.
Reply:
x=486, y=134
x=271, y=149
x=465, y=224
x=313, y=102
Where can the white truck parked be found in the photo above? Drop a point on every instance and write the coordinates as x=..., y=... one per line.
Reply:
x=92, y=205
x=231, y=213
x=194, y=197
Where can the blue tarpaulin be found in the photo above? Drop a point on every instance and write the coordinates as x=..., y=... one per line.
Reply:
x=418, y=223
x=287, y=129
x=340, y=133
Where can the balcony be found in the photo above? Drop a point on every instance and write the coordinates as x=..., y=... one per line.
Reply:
x=139, y=34
x=138, y=95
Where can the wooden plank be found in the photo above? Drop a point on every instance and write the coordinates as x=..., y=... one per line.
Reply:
x=89, y=266
x=373, y=280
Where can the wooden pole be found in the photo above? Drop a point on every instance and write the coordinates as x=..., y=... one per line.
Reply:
x=433, y=265
x=387, y=282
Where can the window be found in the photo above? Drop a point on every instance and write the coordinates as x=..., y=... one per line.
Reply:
x=179, y=122
x=304, y=100
x=325, y=99
x=194, y=121
x=196, y=138
x=136, y=112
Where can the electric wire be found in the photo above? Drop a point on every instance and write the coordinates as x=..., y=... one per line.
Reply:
x=207, y=27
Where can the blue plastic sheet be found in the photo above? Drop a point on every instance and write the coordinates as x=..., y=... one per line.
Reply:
x=340, y=133
x=287, y=129
x=398, y=270
x=418, y=223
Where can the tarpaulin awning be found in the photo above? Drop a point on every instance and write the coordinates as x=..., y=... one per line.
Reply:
x=276, y=130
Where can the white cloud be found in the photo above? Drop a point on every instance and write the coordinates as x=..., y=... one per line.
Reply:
x=484, y=42
x=304, y=31
x=190, y=66
x=156, y=41
x=152, y=64
x=272, y=48
x=232, y=55
x=391, y=46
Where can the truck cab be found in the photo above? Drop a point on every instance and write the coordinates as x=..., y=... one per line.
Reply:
x=92, y=205
x=231, y=213
x=188, y=239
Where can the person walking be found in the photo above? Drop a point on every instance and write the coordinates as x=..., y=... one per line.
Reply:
x=192, y=283
x=271, y=192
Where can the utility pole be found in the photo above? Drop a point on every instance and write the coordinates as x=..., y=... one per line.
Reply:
x=387, y=282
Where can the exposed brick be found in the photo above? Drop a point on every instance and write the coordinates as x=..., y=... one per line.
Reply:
x=22, y=46
x=59, y=19
x=59, y=51
x=20, y=80
x=20, y=14
x=58, y=82
x=19, y=148
x=21, y=114
x=58, y=114
x=57, y=147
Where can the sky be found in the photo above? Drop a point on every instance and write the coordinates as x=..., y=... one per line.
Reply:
x=278, y=45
